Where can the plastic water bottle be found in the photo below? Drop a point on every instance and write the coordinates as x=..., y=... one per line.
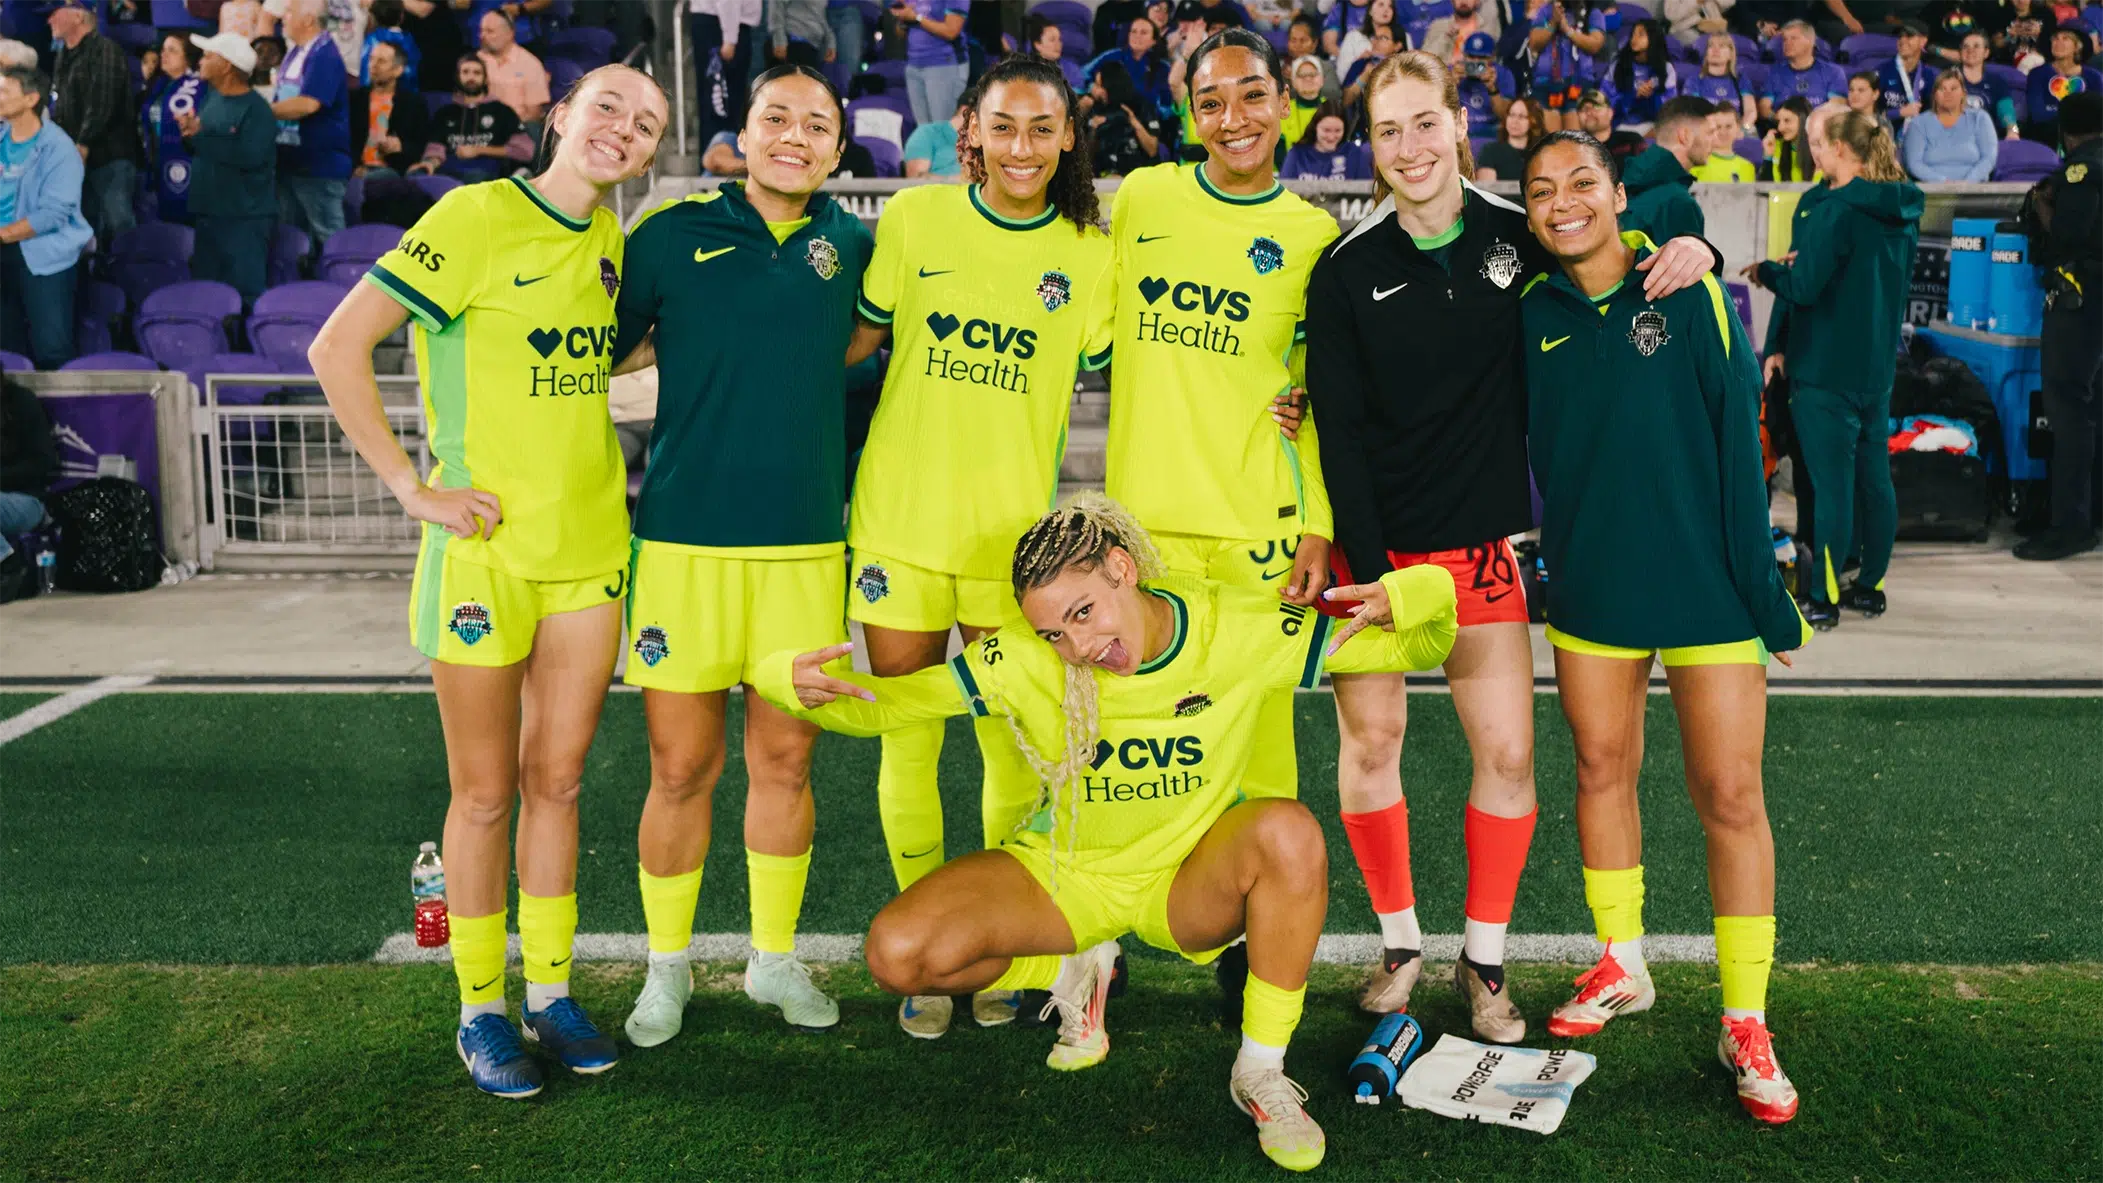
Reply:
x=1387, y=1054
x=47, y=572
x=427, y=886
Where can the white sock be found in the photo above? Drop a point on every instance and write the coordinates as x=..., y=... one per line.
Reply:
x=1731, y=1012
x=540, y=994
x=1258, y=1055
x=1629, y=953
x=680, y=957
x=1483, y=942
x=470, y=1011
x=1398, y=930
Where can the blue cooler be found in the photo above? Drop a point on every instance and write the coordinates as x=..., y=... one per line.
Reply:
x=1970, y=240
x=2014, y=299
x=2009, y=367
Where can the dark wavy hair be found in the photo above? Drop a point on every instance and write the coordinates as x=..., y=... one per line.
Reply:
x=1071, y=190
x=1655, y=57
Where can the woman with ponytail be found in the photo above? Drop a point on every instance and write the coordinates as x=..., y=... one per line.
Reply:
x=993, y=293
x=1133, y=695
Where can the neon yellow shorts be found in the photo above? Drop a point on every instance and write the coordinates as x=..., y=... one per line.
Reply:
x=464, y=613
x=1104, y=907
x=1747, y=652
x=1242, y=562
x=701, y=621
x=892, y=593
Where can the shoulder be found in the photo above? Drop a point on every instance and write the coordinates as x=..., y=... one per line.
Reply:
x=667, y=215
x=1358, y=234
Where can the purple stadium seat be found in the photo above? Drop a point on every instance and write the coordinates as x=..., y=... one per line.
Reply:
x=563, y=74
x=141, y=277
x=890, y=161
x=1750, y=148
x=243, y=395
x=285, y=320
x=1870, y=63
x=1755, y=75
x=2024, y=161
x=1856, y=46
x=173, y=14
x=155, y=240
x=180, y=344
x=289, y=247
x=113, y=360
x=1076, y=27
x=202, y=300
x=352, y=250
x=588, y=47
x=881, y=118
x=135, y=37
x=97, y=310
x=1632, y=10
x=892, y=71
x=1741, y=298
x=11, y=362
x=186, y=322
x=1748, y=50
x=434, y=185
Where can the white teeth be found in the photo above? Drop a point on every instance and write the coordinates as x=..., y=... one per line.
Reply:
x=1568, y=227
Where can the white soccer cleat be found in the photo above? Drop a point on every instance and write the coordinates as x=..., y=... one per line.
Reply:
x=1747, y=1050
x=660, y=1009
x=1080, y=995
x=778, y=979
x=1289, y=1137
x=926, y=1016
x=1603, y=991
x=1387, y=988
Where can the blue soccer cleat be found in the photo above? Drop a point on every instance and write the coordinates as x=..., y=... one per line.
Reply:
x=496, y=1061
x=563, y=1029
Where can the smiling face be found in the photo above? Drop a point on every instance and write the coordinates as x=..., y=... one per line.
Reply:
x=1911, y=44
x=1415, y=140
x=1021, y=127
x=1140, y=37
x=2066, y=47
x=1299, y=40
x=1786, y=124
x=1861, y=94
x=791, y=139
x=1973, y=52
x=1237, y=107
x=1572, y=205
x=1596, y=120
x=1307, y=80
x=610, y=127
x=1328, y=133
x=1093, y=617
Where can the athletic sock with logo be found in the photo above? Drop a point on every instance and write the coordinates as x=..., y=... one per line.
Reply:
x=1269, y=1016
x=668, y=910
x=478, y=964
x=1380, y=844
x=547, y=932
x=776, y=884
x=1744, y=957
x=908, y=801
x=1038, y=972
x=1497, y=849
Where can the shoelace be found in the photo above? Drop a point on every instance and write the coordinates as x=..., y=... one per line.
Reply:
x=494, y=1039
x=1755, y=1047
x=1594, y=982
x=1274, y=1094
x=798, y=969
x=569, y=1020
x=1073, y=1016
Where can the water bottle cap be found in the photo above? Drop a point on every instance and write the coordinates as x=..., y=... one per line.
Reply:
x=428, y=847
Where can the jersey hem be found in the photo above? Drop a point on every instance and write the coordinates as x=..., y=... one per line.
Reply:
x=616, y=562
x=781, y=551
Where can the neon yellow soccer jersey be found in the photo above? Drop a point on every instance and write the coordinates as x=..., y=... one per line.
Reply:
x=1177, y=734
x=989, y=320
x=513, y=304
x=1211, y=288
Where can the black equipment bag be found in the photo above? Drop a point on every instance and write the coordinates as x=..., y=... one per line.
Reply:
x=107, y=541
x=1942, y=496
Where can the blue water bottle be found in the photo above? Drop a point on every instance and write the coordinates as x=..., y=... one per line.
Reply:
x=1377, y=1072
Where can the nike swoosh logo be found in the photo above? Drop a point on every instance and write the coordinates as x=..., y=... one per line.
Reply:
x=1280, y=573
x=491, y=982
x=525, y=283
x=705, y=256
x=1380, y=295
x=1547, y=345
x=564, y=961
x=923, y=853
x=926, y=274
x=1497, y=597
x=1146, y=238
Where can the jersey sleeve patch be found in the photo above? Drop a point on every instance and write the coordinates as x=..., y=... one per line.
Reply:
x=1317, y=644
x=967, y=685
x=422, y=307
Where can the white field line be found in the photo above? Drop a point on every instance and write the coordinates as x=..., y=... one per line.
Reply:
x=1335, y=948
x=52, y=710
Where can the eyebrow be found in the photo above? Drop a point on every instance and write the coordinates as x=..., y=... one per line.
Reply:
x=1033, y=118
x=1236, y=82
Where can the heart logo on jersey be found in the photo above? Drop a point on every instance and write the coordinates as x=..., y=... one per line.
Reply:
x=544, y=341
x=1153, y=289
x=1102, y=753
x=943, y=324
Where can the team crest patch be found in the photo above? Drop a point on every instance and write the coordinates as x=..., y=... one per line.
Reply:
x=470, y=622
x=873, y=582
x=1647, y=332
x=1055, y=290
x=1500, y=264
x=609, y=276
x=823, y=257
x=650, y=645
x=1267, y=255
x=1192, y=704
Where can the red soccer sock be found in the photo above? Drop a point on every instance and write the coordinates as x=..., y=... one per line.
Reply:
x=1497, y=849
x=1380, y=843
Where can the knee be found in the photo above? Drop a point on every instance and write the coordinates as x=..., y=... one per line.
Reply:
x=551, y=781
x=1505, y=761
x=484, y=804
x=1603, y=765
x=1290, y=843
x=1370, y=740
x=1733, y=801
x=779, y=764
x=685, y=776
x=897, y=952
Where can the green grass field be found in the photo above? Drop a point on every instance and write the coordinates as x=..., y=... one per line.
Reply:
x=195, y=885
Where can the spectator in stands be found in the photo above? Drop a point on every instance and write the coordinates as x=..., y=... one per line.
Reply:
x=1953, y=142
x=42, y=231
x=1322, y=154
x=387, y=18
x=1723, y=165
x=270, y=54
x=1801, y=73
x=715, y=29
x=931, y=151
x=246, y=19
x=798, y=32
x=1304, y=81
x=1658, y=178
x=1447, y=37
x=1303, y=38
x=1343, y=17
x=522, y=15
x=1486, y=87
x=312, y=105
x=475, y=137
x=515, y=77
x=1864, y=94
x=1382, y=43
x=2026, y=29
x=1112, y=17
x=1223, y=14
x=431, y=28
x=1720, y=81
x=17, y=53
x=2067, y=73
x=233, y=186
x=92, y=80
x=1642, y=78
x=28, y=463
x=723, y=157
x=1048, y=42
x=1265, y=15
x=389, y=122
x=1788, y=148
x=1144, y=62
x=1903, y=81
x=345, y=21
x=1358, y=40
x=1505, y=160
x=936, y=66
x=1690, y=22
x=1595, y=117
x=1949, y=23
x=1569, y=40
x=1127, y=126
x=174, y=91
x=1983, y=91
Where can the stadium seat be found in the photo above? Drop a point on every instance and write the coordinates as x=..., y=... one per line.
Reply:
x=891, y=70
x=562, y=74
x=885, y=118
x=11, y=362
x=2016, y=83
x=112, y=360
x=174, y=14
x=1633, y=10
x=231, y=394
x=2024, y=161
x=1869, y=63
x=182, y=324
x=434, y=185
x=286, y=319
x=98, y=310
x=890, y=161
x=155, y=240
x=435, y=99
x=1750, y=148
x=134, y=37
x=289, y=248
x=352, y=250
x=586, y=46
x=1748, y=50
x=1857, y=46
x=1755, y=75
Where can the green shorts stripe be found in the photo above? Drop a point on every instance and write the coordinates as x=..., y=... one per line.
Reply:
x=427, y=625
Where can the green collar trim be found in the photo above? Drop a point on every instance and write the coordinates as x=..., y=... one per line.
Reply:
x=1175, y=644
x=533, y=195
x=1444, y=237
x=1608, y=294
x=1205, y=183
x=1050, y=214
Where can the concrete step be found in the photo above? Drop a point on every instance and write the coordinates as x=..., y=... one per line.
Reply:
x=1086, y=444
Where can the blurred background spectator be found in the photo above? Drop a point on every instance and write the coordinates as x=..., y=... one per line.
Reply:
x=1983, y=90
x=1724, y=163
x=386, y=29
x=1787, y=147
x=2024, y=29
x=1571, y=43
x=475, y=137
x=91, y=99
x=246, y=19
x=718, y=29
x=1953, y=141
x=1505, y=159
x=1903, y=80
x=1323, y=154
x=232, y=139
x=937, y=64
x=1485, y=85
x=1642, y=77
x=1721, y=81
x=1801, y=73
x=1447, y=37
x=1863, y=95
x=514, y=76
x=2068, y=73
x=312, y=105
x=390, y=123
x=1046, y=41
x=931, y=151
x=799, y=31
x=42, y=231
x=1127, y=125
x=1304, y=81
x=174, y=91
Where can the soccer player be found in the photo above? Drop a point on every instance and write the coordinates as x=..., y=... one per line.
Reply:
x=1144, y=688
x=1645, y=432
x=993, y=293
x=1416, y=361
x=739, y=537
x=525, y=537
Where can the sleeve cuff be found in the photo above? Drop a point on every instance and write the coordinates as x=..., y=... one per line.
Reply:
x=1096, y=361
x=426, y=310
x=869, y=311
x=967, y=685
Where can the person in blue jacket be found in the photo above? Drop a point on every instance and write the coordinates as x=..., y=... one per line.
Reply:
x=42, y=231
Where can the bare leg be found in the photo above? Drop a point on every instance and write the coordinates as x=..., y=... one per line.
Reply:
x=955, y=931
x=686, y=761
x=1261, y=870
x=1722, y=713
x=1372, y=711
x=779, y=814
x=565, y=687
x=1491, y=674
x=1603, y=698
x=479, y=711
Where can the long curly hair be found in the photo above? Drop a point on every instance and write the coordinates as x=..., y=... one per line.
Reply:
x=1071, y=189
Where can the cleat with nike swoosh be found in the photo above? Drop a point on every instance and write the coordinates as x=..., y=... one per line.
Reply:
x=564, y=1030
x=496, y=1061
x=926, y=1016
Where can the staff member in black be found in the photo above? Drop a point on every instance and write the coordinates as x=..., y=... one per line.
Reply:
x=2065, y=213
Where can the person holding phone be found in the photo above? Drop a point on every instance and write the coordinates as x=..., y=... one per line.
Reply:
x=936, y=68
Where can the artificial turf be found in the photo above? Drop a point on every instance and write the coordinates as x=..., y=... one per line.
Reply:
x=348, y=1072
x=278, y=829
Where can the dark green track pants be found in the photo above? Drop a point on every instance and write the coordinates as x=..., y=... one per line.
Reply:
x=1844, y=500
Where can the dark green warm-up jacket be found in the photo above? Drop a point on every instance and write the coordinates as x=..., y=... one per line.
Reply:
x=1659, y=202
x=1847, y=289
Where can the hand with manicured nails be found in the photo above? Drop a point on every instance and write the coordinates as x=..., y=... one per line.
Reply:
x=465, y=512
x=1373, y=608
x=1286, y=412
x=815, y=687
x=1310, y=571
x=1677, y=265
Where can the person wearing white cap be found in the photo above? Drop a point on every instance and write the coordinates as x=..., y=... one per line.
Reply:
x=233, y=154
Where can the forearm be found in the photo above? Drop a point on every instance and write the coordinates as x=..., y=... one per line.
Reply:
x=925, y=696
x=519, y=147
x=1425, y=611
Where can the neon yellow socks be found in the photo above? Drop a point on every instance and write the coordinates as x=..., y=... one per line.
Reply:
x=668, y=909
x=776, y=884
x=547, y=932
x=1744, y=957
x=909, y=801
x=1269, y=1015
x=478, y=963
x=1029, y=973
